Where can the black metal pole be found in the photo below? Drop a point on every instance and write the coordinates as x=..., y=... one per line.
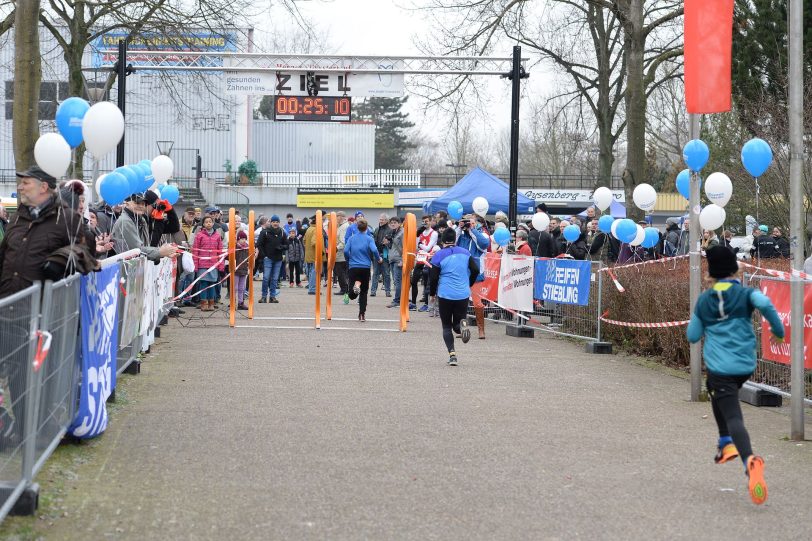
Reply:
x=121, y=75
x=516, y=75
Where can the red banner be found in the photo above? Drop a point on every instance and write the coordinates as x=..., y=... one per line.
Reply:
x=489, y=288
x=708, y=51
x=779, y=294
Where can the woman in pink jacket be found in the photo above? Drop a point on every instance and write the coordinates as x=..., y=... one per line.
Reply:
x=206, y=251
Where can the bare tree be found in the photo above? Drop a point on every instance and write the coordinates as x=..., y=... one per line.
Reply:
x=556, y=140
x=28, y=74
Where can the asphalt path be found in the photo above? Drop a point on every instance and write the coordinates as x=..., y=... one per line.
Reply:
x=275, y=430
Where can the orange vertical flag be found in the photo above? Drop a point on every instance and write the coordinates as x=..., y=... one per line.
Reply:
x=708, y=50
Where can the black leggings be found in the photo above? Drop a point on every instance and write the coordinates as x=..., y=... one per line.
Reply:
x=451, y=314
x=724, y=393
x=417, y=277
x=360, y=275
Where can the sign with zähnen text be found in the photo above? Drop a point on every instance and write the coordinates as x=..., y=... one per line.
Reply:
x=516, y=283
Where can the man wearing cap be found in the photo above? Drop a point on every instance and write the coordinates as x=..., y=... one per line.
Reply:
x=131, y=230
x=272, y=245
x=763, y=244
x=353, y=228
x=41, y=226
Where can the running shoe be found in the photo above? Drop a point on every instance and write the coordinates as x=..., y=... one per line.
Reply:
x=346, y=299
x=465, y=331
x=452, y=359
x=356, y=289
x=424, y=308
x=726, y=453
x=412, y=307
x=756, y=485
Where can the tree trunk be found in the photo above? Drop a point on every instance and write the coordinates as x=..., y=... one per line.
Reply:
x=635, y=42
x=27, y=77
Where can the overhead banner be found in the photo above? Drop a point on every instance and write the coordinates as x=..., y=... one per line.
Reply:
x=368, y=199
x=99, y=330
x=564, y=281
x=489, y=265
x=104, y=48
x=516, y=283
x=362, y=85
x=779, y=294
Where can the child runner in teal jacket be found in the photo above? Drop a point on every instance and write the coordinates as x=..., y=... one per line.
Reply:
x=724, y=316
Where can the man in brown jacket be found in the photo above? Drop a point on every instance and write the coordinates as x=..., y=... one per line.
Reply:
x=41, y=227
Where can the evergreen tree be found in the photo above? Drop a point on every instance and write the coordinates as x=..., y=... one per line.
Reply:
x=391, y=141
x=760, y=63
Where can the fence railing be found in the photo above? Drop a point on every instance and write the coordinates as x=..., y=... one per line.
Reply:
x=40, y=360
x=771, y=375
x=379, y=178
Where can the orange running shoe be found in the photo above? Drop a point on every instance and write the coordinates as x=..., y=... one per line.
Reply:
x=757, y=485
x=726, y=454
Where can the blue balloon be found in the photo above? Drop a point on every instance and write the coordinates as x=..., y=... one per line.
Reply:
x=131, y=177
x=69, y=116
x=455, y=210
x=114, y=188
x=572, y=232
x=501, y=236
x=171, y=194
x=756, y=156
x=651, y=239
x=626, y=230
x=144, y=183
x=605, y=223
x=148, y=165
x=695, y=154
x=684, y=183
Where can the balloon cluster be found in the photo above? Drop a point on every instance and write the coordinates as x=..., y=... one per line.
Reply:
x=756, y=157
x=100, y=128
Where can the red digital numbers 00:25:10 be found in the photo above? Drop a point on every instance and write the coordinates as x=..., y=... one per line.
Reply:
x=312, y=106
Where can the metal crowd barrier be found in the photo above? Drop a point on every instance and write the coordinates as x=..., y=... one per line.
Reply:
x=39, y=385
x=770, y=375
x=572, y=320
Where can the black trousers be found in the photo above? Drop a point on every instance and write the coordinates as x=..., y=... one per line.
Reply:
x=340, y=269
x=724, y=393
x=295, y=269
x=451, y=314
x=417, y=276
x=360, y=275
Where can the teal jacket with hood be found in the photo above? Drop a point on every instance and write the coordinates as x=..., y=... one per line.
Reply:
x=724, y=316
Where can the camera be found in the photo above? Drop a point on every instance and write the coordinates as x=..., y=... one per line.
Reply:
x=466, y=225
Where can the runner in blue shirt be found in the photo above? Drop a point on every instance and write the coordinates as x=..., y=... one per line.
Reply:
x=453, y=272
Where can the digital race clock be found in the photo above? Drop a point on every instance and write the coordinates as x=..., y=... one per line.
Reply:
x=321, y=108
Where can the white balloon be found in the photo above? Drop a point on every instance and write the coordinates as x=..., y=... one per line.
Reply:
x=614, y=228
x=162, y=169
x=97, y=186
x=52, y=154
x=480, y=204
x=718, y=188
x=541, y=221
x=602, y=197
x=102, y=128
x=712, y=217
x=645, y=197
x=640, y=237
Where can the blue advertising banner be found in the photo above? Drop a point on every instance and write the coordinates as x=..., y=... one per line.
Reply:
x=565, y=281
x=99, y=330
x=208, y=42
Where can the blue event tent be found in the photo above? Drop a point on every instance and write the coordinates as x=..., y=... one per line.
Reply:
x=480, y=183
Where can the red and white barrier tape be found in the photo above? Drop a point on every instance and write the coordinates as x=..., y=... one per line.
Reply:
x=661, y=325
x=43, y=347
x=777, y=273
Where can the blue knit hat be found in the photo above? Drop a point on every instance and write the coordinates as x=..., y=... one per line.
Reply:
x=359, y=213
x=274, y=218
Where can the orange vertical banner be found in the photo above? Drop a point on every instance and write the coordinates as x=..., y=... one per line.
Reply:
x=232, y=263
x=251, y=252
x=708, y=51
x=409, y=252
x=319, y=259
x=332, y=241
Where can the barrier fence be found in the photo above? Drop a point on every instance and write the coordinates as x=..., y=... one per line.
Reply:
x=42, y=329
x=773, y=370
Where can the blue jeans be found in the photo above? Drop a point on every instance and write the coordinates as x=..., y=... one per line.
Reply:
x=397, y=273
x=377, y=270
x=270, y=277
x=310, y=270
